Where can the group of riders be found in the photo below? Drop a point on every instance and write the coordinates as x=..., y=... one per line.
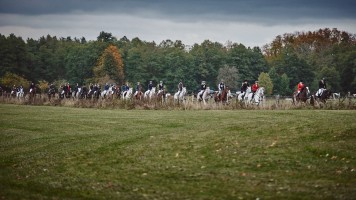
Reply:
x=319, y=94
x=94, y=90
x=18, y=91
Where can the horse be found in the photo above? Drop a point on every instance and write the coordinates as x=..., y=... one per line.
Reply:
x=13, y=92
x=104, y=93
x=258, y=97
x=116, y=92
x=205, y=96
x=110, y=92
x=302, y=97
x=139, y=95
x=243, y=96
x=75, y=93
x=32, y=92
x=82, y=94
x=51, y=93
x=179, y=96
x=324, y=96
x=223, y=97
x=149, y=93
x=161, y=96
x=97, y=93
x=126, y=95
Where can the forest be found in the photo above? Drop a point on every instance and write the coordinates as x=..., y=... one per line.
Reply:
x=278, y=65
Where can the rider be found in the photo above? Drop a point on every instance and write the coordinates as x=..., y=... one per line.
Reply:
x=95, y=88
x=202, y=88
x=254, y=88
x=138, y=88
x=76, y=89
x=32, y=87
x=221, y=87
x=300, y=87
x=180, y=87
x=244, y=87
x=160, y=87
x=51, y=87
x=322, y=87
x=20, y=90
x=14, y=89
x=125, y=88
x=106, y=87
x=150, y=86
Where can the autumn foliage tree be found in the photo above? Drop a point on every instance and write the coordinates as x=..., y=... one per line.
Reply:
x=110, y=66
x=10, y=79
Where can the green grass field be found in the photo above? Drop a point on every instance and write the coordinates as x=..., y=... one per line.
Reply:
x=50, y=152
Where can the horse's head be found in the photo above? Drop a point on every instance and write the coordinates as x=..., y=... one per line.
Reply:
x=184, y=90
x=307, y=90
x=261, y=90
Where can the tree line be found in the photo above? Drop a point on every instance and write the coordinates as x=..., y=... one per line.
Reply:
x=279, y=65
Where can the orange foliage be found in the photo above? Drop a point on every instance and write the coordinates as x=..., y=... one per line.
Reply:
x=306, y=42
x=110, y=66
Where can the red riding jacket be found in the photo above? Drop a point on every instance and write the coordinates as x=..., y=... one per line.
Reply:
x=254, y=87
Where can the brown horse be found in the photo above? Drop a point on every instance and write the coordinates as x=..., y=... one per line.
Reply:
x=139, y=95
x=302, y=97
x=161, y=96
x=223, y=97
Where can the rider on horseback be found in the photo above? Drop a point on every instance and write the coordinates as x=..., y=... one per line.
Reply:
x=244, y=87
x=150, y=86
x=180, y=87
x=160, y=88
x=300, y=87
x=322, y=87
x=125, y=88
x=13, y=90
x=138, y=88
x=221, y=87
x=202, y=89
x=254, y=88
x=32, y=87
x=106, y=87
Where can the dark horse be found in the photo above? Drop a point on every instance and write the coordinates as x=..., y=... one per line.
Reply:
x=324, y=96
x=32, y=92
x=51, y=93
x=302, y=97
x=223, y=96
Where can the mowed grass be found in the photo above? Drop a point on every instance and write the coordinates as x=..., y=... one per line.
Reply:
x=76, y=153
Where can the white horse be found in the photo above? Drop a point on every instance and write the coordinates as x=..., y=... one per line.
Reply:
x=127, y=94
x=76, y=94
x=205, y=96
x=179, y=96
x=149, y=93
x=108, y=93
x=20, y=93
x=104, y=93
x=244, y=95
x=258, y=97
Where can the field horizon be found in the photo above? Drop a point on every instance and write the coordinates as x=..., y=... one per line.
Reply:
x=58, y=152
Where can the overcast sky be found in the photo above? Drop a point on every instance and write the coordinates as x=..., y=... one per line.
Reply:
x=250, y=22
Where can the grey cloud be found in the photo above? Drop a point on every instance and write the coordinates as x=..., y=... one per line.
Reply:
x=191, y=10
